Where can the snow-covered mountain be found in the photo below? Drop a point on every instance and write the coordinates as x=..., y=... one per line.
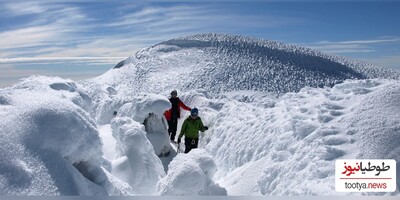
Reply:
x=221, y=63
x=274, y=128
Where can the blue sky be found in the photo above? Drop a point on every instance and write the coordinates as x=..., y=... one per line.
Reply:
x=79, y=40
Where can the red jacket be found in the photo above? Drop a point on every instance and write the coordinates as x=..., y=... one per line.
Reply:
x=168, y=112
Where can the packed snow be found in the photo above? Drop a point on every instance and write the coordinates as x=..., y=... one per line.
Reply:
x=134, y=153
x=50, y=144
x=108, y=136
x=306, y=132
x=191, y=174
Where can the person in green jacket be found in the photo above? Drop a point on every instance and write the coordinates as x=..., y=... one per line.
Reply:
x=190, y=129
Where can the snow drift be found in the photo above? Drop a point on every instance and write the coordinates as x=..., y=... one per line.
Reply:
x=135, y=154
x=191, y=174
x=50, y=145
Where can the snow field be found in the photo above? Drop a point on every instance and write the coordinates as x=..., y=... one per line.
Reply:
x=300, y=136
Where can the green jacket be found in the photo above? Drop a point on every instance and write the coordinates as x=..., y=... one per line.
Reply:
x=191, y=128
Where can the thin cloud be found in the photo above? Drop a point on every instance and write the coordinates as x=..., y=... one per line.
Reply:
x=363, y=48
x=28, y=37
x=58, y=26
x=341, y=48
x=156, y=14
x=194, y=18
x=25, y=8
x=351, y=46
x=69, y=35
x=71, y=31
x=139, y=17
x=110, y=47
x=376, y=41
x=52, y=60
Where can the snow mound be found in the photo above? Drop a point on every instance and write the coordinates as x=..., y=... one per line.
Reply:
x=136, y=163
x=143, y=108
x=191, y=174
x=107, y=102
x=376, y=122
x=50, y=145
x=144, y=104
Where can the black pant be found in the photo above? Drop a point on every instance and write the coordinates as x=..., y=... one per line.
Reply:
x=172, y=127
x=191, y=143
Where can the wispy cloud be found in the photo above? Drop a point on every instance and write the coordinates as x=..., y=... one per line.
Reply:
x=71, y=31
x=374, y=41
x=107, y=60
x=195, y=18
x=341, y=48
x=352, y=46
x=366, y=50
x=45, y=26
x=28, y=37
x=25, y=8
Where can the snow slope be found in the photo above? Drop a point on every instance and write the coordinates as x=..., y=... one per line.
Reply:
x=278, y=115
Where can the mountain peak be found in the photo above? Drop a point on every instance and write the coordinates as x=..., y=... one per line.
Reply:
x=221, y=63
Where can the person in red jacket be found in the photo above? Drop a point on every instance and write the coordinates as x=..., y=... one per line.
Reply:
x=174, y=113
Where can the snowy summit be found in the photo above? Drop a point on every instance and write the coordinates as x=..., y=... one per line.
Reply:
x=278, y=116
